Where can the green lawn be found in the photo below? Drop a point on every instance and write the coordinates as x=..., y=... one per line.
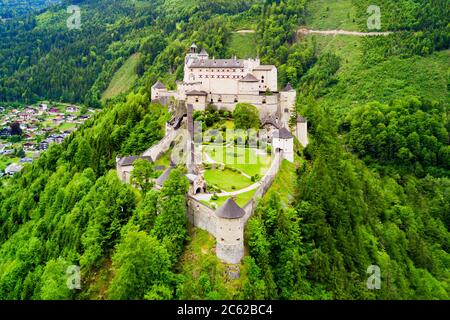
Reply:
x=67, y=126
x=123, y=79
x=241, y=199
x=243, y=45
x=227, y=179
x=164, y=160
x=246, y=160
x=229, y=124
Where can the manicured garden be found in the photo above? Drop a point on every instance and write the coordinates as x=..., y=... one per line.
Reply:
x=250, y=161
x=227, y=180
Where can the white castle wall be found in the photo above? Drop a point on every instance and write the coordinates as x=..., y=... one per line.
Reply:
x=301, y=132
x=202, y=216
x=163, y=146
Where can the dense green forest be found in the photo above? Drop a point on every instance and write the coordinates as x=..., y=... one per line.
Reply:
x=13, y=8
x=372, y=188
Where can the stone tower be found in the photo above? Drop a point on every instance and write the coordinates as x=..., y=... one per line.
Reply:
x=283, y=141
x=230, y=233
x=301, y=131
x=288, y=97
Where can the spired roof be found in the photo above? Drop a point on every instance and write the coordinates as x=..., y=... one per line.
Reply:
x=271, y=120
x=203, y=52
x=288, y=88
x=193, y=45
x=283, y=133
x=249, y=78
x=128, y=161
x=159, y=85
x=196, y=93
x=163, y=178
x=217, y=63
x=230, y=210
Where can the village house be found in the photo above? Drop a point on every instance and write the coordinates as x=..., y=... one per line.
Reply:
x=72, y=109
x=13, y=169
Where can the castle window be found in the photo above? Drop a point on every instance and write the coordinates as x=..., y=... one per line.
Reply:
x=264, y=101
x=262, y=81
x=234, y=70
x=212, y=100
x=220, y=99
x=238, y=239
x=196, y=99
x=222, y=239
x=235, y=100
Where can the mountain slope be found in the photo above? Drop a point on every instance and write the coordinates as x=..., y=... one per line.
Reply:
x=348, y=205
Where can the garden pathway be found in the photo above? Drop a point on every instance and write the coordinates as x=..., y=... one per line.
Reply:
x=207, y=197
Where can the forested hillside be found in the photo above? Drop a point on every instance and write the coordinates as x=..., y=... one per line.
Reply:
x=14, y=8
x=372, y=188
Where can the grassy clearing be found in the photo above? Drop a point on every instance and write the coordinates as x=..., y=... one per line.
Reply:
x=284, y=183
x=348, y=48
x=67, y=126
x=227, y=180
x=249, y=161
x=123, y=79
x=243, y=45
x=331, y=14
x=394, y=78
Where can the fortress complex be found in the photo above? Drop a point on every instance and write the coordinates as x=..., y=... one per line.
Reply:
x=226, y=82
x=222, y=83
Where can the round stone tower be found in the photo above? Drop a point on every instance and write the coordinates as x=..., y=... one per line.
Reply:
x=230, y=232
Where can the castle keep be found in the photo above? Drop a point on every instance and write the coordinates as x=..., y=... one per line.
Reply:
x=226, y=82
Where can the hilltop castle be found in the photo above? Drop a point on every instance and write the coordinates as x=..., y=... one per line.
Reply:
x=226, y=82
x=222, y=83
